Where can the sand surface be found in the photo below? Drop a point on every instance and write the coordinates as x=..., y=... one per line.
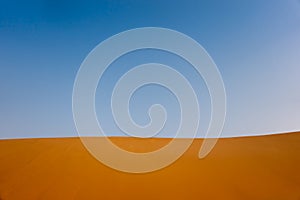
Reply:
x=263, y=167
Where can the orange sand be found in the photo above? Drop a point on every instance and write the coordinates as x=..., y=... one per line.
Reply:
x=264, y=167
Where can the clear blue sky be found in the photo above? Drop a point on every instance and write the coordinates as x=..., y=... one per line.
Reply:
x=255, y=44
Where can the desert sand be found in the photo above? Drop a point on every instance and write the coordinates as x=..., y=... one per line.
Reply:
x=258, y=167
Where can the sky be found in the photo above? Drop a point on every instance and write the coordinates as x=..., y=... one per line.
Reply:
x=254, y=43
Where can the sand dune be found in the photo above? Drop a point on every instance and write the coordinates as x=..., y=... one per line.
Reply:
x=263, y=167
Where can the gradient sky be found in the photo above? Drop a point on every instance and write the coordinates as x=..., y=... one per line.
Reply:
x=255, y=44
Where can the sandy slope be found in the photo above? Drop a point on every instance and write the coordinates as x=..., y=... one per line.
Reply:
x=264, y=167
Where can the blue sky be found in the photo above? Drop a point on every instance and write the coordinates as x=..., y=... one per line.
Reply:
x=255, y=44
